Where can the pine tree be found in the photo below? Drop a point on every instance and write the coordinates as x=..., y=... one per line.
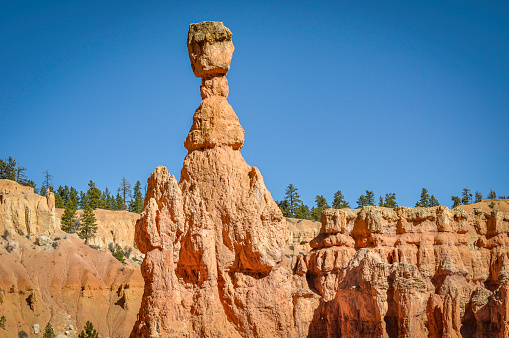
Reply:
x=112, y=203
x=456, y=201
x=433, y=202
x=89, y=331
x=293, y=199
x=380, y=201
x=478, y=197
x=302, y=212
x=390, y=200
x=339, y=201
x=285, y=208
x=47, y=183
x=82, y=200
x=48, y=331
x=368, y=199
x=125, y=190
x=8, y=169
x=94, y=196
x=119, y=202
x=63, y=193
x=88, y=227
x=21, y=177
x=59, y=202
x=425, y=199
x=466, y=196
x=69, y=217
x=321, y=205
x=105, y=199
x=492, y=195
x=362, y=201
x=119, y=254
x=74, y=196
x=137, y=204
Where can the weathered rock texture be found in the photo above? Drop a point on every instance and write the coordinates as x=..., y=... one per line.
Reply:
x=24, y=212
x=214, y=242
x=47, y=275
x=113, y=228
x=214, y=245
x=410, y=272
x=300, y=233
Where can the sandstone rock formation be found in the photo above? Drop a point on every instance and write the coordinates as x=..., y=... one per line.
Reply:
x=48, y=275
x=214, y=242
x=300, y=233
x=24, y=212
x=66, y=283
x=214, y=245
x=113, y=228
x=409, y=272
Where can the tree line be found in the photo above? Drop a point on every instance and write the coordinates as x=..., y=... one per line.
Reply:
x=468, y=198
x=127, y=198
x=292, y=206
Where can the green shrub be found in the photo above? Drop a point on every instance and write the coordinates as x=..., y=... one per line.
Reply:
x=118, y=253
x=48, y=331
x=89, y=331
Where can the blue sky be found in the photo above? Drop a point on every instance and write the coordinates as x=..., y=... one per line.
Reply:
x=389, y=96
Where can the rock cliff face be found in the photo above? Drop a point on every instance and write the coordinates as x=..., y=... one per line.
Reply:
x=410, y=272
x=24, y=212
x=214, y=245
x=113, y=228
x=62, y=281
x=47, y=275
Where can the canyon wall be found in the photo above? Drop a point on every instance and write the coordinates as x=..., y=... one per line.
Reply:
x=114, y=227
x=409, y=272
x=47, y=275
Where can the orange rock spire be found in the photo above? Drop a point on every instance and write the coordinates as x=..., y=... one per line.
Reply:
x=214, y=242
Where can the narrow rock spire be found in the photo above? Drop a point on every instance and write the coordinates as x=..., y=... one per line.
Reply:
x=215, y=123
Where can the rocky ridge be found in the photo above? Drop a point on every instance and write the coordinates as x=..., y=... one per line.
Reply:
x=214, y=245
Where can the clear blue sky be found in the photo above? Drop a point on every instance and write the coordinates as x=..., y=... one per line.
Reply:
x=390, y=96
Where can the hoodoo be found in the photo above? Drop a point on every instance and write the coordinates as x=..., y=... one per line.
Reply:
x=214, y=242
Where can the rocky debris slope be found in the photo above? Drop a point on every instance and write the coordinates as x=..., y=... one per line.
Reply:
x=215, y=241
x=49, y=275
x=59, y=279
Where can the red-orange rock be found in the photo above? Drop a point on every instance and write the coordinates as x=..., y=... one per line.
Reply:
x=413, y=272
x=214, y=242
x=214, y=245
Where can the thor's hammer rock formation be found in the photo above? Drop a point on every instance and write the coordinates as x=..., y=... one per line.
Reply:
x=214, y=242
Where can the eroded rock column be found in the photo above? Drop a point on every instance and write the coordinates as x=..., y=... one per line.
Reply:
x=214, y=242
